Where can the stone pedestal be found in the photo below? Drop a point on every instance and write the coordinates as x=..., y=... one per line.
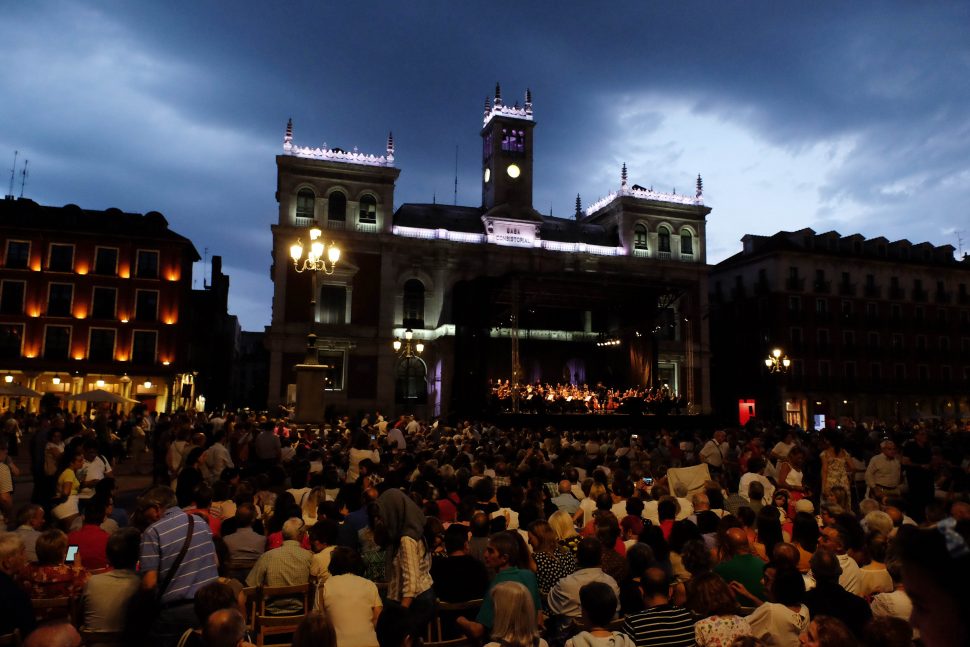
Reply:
x=309, y=393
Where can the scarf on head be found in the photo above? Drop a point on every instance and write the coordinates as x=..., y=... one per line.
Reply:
x=401, y=516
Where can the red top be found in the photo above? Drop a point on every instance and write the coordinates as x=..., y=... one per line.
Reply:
x=91, y=541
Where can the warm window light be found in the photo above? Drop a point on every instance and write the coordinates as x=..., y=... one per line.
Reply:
x=30, y=354
x=172, y=276
x=147, y=384
x=80, y=314
x=56, y=380
x=81, y=269
x=34, y=312
x=99, y=383
x=124, y=272
x=79, y=357
x=166, y=363
x=124, y=319
x=121, y=357
x=8, y=378
x=35, y=267
x=170, y=320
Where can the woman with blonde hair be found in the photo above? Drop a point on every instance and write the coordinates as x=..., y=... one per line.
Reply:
x=311, y=501
x=515, y=623
x=561, y=523
x=587, y=506
x=549, y=560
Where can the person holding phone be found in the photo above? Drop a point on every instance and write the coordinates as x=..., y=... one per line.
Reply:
x=51, y=576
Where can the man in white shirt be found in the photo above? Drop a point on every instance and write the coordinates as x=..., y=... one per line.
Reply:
x=755, y=472
x=715, y=451
x=835, y=539
x=413, y=426
x=396, y=437
x=217, y=457
x=884, y=471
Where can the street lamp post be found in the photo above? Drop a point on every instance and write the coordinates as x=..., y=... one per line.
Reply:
x=320, y=257
x=778, y=363
x=407, y=351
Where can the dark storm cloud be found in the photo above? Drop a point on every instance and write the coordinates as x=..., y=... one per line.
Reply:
x=181, y=107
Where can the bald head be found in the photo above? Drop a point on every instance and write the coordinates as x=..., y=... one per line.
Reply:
x=738, y=541
x=785, y=554
x=59, y=634
x=224, y=628
x=565, y=487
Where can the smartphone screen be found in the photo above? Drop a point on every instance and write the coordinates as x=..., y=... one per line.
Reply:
x=71, y=554
x=647, y=480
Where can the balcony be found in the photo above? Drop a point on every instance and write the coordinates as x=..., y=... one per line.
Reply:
x=686, y=258
x=872, y=291
x=336, y=225
x=367, y=227
x=847, y=289
x=795, y=284
x=300, y=221
x=641, y=253
x=822, y=287
x=664, y=256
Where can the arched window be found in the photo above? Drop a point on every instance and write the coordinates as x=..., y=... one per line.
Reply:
x=333, y=304
x=337, y=207
x=413, y=304
x=304, y=203
x=686, y=242
x=663, y=239
x=640, y=237
x=411, y=385
x=368, y=209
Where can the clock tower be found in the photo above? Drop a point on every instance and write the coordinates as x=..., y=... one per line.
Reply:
x=507, y=159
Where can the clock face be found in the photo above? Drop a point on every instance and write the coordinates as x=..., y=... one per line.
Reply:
x=488, y=175
x=513, y=171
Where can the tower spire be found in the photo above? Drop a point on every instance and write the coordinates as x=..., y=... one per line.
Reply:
x=623, y=176
x=700, y=187
x=288, y=137
x=528, y=101
x=579, y=207
x=390, y=142
x=498, y=95
x=488, y=107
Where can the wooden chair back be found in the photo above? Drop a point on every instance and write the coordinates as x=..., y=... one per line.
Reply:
x=102, y=638
x=51, y=608
x=270, y=593
x=252, y=606
x=277, y=626
x=436, y=630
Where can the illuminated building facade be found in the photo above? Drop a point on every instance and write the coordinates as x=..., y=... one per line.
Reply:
x=873, y=328
x=94, y=299
x=492, y=292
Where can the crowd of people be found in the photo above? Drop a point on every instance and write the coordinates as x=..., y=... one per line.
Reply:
x=534, y=537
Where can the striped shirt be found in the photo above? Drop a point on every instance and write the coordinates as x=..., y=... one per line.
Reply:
x=663, y=626
x=411, y=572
x=160, y=545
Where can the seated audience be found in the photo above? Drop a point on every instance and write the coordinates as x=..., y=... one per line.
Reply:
x=352, y=603
x=16, y=611
x=515, y=617
x=51, y=576
x=287, y=565
x=710, y=598
x=90, y=539
x=661, y=623
x=599, y=606
x=780, y=623
x=564, y=595
x=104, y=602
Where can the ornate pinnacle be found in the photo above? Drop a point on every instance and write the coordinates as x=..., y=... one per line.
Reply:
x=498, y=95
x=623, y=176
x=288, y=137
x=528, y=101
x=579, y=207
x=390, y=143
x=700, y=186
x=488, y=106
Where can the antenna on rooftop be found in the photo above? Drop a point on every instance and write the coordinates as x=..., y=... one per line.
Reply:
x=456, y=175
x=13, y=169
x=959, y=234
x=23, y=177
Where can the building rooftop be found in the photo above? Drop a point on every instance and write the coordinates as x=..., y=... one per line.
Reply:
x=25, y=214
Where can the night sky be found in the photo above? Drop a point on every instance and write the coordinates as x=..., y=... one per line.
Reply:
x=846, y=116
